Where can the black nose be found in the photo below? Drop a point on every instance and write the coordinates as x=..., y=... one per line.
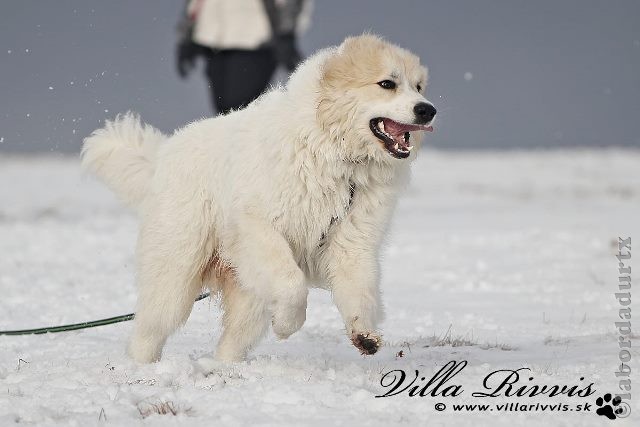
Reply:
x=425, y=112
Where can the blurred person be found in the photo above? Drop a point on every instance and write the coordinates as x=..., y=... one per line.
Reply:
x=243, y=42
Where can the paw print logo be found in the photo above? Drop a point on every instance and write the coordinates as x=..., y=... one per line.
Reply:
x=612, y=408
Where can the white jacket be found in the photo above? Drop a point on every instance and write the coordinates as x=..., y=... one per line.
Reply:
x=235, y=24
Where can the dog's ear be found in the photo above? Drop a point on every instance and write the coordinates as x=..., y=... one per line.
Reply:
x=362, y=43
x=356, y=62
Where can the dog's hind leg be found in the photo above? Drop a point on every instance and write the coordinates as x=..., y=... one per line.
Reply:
x=171, y=257
x=245, y=319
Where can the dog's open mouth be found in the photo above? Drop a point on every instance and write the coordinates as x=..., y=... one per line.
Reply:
x=395, y=135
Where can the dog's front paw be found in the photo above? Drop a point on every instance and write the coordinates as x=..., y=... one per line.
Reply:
x=288, y=318
x=288, y=321
x=367, y=342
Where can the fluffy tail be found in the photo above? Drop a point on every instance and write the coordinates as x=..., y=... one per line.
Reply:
x=122, y=154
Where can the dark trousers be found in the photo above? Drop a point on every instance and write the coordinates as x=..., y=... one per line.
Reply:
x=237, y=77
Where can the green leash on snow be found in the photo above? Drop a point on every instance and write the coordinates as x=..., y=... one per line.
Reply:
x=83, y=325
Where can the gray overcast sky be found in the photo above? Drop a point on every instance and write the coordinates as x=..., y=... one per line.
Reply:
x=542, y=73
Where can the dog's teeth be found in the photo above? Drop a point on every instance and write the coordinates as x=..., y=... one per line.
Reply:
x=396, y=146
x=410, y=147
x=381, y=125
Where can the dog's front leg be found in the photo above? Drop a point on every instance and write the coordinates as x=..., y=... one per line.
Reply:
x=354, y=282
x=265, y=264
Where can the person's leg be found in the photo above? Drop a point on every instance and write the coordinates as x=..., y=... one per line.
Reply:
x=214, y=71
x=245, y=75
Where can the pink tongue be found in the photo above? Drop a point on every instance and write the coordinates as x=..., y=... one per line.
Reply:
x=396, y=129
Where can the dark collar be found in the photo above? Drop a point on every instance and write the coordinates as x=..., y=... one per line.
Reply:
x=352, y=192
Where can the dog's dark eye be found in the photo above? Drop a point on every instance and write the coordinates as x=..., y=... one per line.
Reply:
x=419, y=87
x=387, y=84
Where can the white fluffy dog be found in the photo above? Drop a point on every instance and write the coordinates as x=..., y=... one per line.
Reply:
x=293, y=191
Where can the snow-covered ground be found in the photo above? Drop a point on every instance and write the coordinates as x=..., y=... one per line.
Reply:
x=509, y=254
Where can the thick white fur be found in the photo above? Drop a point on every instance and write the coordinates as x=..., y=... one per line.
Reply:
x=241, y=202
x=122, y=154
